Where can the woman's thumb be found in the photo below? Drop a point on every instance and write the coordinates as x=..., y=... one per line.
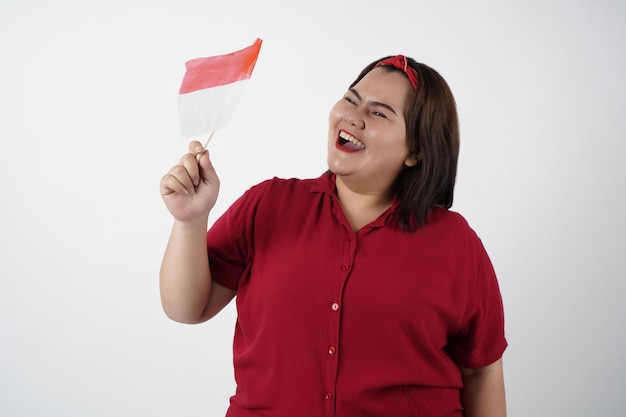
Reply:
x=207, y=171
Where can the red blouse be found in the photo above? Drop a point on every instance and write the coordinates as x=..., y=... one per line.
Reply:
x=336, y=323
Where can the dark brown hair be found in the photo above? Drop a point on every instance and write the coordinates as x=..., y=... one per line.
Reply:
x=432, y=131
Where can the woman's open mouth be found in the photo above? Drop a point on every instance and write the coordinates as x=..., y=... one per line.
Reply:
x=349, y=143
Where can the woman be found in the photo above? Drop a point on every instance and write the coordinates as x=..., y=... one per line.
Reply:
x=358, y=293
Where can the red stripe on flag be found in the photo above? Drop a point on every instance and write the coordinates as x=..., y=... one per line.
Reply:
x=220, y=69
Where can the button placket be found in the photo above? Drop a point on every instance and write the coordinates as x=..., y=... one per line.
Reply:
x=341, y=274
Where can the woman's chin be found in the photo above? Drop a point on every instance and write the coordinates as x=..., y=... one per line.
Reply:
x=335, y=166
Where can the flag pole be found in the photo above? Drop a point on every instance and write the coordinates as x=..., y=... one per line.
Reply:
x=205, y=145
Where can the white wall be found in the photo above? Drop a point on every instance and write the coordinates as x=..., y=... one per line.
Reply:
x=89, y=124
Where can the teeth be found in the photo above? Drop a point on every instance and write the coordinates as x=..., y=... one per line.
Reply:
x=350, y=138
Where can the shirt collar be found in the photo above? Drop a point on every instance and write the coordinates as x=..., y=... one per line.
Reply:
x=326, y=184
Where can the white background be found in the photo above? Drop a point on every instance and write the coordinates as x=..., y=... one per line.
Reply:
x=89, y=124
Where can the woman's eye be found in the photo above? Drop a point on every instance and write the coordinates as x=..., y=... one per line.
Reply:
x=349, y=100
x=378, y=114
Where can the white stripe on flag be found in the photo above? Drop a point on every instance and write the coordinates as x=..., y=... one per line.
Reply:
x=207, y=110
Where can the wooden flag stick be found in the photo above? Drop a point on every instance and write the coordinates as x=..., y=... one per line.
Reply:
x=205, y=145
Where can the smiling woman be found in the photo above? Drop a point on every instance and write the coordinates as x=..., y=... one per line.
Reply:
x=358, y=292
x=371, y=112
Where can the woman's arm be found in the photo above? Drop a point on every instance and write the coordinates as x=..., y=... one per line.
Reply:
x=189, y=191
x=188, y=294
x=483, y=391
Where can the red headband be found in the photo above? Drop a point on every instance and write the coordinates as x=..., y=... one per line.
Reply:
x=400, y=62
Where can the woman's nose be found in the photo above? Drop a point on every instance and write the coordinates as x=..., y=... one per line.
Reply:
x=355, y=119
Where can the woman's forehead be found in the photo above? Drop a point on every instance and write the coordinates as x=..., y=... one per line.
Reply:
x=392, y=87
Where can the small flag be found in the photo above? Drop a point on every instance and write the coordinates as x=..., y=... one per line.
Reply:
x=211, y=89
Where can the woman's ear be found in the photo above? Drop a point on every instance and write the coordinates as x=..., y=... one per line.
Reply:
x=412, y=160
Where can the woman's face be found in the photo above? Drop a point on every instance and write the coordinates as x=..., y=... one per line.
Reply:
x=367, y=143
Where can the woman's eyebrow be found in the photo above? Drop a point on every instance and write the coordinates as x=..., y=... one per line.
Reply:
x=375, y=103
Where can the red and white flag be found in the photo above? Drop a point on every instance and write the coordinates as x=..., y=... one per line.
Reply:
x=211, y=89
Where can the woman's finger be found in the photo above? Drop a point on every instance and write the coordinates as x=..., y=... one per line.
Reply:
x=190, y=164
x=181, y=176
x=171, y=185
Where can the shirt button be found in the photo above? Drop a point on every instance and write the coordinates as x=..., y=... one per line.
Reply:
x=345, y=266
x=328, y=396
x=334, y=306
x=332, y=350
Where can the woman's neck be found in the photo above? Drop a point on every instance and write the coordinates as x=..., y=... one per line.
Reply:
x=361, y=207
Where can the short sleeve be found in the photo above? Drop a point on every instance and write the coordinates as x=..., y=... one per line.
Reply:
x=480, y=340
x=230, y=239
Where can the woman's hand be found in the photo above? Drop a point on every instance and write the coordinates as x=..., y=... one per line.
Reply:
x=190, y=189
